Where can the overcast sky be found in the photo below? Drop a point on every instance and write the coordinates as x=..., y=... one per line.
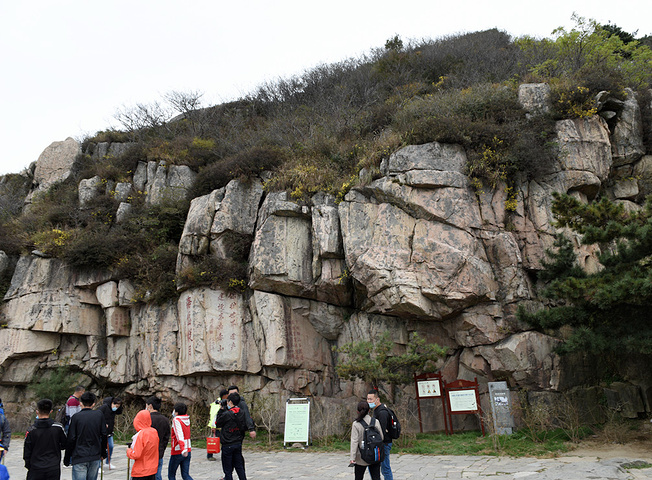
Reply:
x=69, y=65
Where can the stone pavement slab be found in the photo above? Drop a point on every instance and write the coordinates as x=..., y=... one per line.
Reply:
x=299, y=465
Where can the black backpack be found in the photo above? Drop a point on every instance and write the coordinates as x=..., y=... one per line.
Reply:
x=61, y=416
x=371, y=448
x=393, y=425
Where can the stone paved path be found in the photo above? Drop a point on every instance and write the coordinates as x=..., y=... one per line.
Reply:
x=297, y=464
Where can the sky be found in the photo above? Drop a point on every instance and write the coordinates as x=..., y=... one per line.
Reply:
x=67, y=66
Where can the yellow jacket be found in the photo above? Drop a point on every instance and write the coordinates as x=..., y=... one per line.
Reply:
x=215, y=407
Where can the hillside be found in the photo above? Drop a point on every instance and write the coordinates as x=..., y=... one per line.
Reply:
x=407, y=193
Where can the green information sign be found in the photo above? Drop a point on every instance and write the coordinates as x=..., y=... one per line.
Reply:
x=297, y=421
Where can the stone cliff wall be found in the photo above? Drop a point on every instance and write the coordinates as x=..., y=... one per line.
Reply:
x=416, y=250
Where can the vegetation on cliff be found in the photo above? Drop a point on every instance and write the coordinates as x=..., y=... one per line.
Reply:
x=320, y=130
x=607, y=311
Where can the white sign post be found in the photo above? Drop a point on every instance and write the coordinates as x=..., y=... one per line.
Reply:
x=297, y=421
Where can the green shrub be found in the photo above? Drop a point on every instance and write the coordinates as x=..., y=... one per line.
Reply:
x=56, y=384
x=489, y=123
x=244, y=165
x=215, y=272
x=111, y=135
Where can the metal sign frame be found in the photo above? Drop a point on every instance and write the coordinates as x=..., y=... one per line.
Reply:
x=428, y=377
x=297, y=422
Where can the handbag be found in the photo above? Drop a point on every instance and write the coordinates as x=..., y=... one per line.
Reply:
x=213, y=445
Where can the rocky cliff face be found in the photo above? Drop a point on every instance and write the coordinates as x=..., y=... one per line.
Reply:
x=416, y=250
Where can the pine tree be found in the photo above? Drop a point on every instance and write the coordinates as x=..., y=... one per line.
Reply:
x=607, y=311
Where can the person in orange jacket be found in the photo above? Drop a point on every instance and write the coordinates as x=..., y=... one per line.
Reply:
x=144, y=448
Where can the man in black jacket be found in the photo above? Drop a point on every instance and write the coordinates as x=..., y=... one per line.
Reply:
x=86, y=446
x=231, y=420
x=111, y=407
x=384, y=418
x=43, y=444
x=161, y=424
x=245, y=409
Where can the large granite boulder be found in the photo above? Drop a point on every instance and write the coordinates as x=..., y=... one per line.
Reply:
x=162, y=182
x=281, y=259
x=150, y=350
x=89, y=189
x=55, y=163
x=281, y=255
x=215, y=333
x=19, y=342
x=44, y=296
x=526, y=359
x=643, y=175
x=535, y=98
x=108, y=150
x=627, y=139
x=412, y=262
x=238, y=209
x=584, y=146
x=583, y=164
x=195, y=239
x=4, y=262
x=287, y=331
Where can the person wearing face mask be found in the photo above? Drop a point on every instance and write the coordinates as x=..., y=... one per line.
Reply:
x=161, y=424
x=110, y=407
x=379, y=411
x=231, y=420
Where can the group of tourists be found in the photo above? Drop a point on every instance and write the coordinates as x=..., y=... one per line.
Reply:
x=85, y=435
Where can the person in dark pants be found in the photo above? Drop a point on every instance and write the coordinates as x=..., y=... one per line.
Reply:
x=232, y=422
x=43, y=444
x=161, y=424
x=245, y=409
x=357, y=435
x=379, y=411
x=111, y=407
x=86, y=446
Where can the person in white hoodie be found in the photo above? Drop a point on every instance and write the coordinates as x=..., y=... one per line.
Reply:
x=180, y=453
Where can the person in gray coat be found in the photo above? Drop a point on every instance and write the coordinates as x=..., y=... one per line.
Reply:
x=357, y=435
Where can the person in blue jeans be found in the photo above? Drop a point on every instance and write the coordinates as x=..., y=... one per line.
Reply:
x=86, y=446
x=231, y=420
x=383, y=416
x=180, y=452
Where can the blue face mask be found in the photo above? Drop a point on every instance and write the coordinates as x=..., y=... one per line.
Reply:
x=372, y=405
x=114, y=408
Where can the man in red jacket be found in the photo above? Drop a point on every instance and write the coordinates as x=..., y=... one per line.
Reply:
x=180, y=453
x=144, y=448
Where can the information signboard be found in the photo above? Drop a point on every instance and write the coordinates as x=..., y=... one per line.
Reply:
x=297, y=421
x=462, y=401
x=429, y=388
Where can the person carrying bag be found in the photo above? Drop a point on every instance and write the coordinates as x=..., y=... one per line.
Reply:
x=366, y=444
